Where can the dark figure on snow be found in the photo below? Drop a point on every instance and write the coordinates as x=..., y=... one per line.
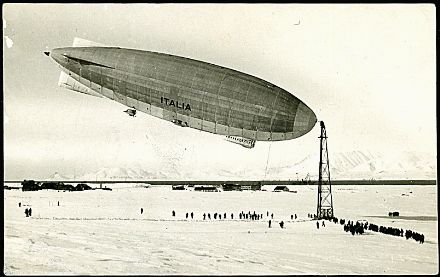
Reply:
x=204, y=216
x=58, y=203
x=209, y=216
x=174, y=213
x=186, y=215
x=270, y=223
x=271, y=215
x=291, y=217
x=26, y=212
x=296, y=216
x=232, y=216
x=323, y=224
x=317, y=224
x=30, y=211
x=267, y=214
x=224, y=216
x=219, y=216
x=215, y=216
x=239, y=216
x=142, y=210
x=19, y=204
x=192, y=215
x=282, y=224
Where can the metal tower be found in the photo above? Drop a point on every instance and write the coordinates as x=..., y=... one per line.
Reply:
x=325, y=201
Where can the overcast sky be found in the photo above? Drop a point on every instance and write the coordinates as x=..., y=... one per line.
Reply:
x=367, y=71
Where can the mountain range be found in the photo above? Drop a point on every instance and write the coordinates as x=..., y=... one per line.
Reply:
x=354, y=165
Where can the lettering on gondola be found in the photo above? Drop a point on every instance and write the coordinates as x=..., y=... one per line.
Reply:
x=171, y=102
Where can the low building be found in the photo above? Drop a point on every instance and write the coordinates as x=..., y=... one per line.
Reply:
x=30, y=185
x=57, y=186
x=281, y=188
x=231, y=187
x=206, y=188
x=251, y=187
x=82, y=187
x=178, y=187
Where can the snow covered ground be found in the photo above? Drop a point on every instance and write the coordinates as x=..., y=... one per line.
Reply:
x=103, y=232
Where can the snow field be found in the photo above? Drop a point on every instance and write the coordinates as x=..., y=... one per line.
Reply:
x=103, y=232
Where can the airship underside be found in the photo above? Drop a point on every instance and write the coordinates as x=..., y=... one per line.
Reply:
x=196, y=94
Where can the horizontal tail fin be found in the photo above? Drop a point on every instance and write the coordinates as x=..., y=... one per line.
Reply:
x=68, y=82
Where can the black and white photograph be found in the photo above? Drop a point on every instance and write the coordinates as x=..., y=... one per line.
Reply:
x=219, y=139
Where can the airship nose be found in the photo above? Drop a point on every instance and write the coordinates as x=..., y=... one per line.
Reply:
x=57, y=55
x=305, y=120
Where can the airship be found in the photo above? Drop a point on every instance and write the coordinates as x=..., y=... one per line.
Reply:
x=184, y=91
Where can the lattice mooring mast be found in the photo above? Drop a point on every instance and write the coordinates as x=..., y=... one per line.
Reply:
x=325, y=201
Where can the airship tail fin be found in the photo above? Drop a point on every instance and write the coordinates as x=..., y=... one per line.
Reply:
x=80, y=42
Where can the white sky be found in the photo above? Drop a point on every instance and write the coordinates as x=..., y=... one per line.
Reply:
x=368, y=71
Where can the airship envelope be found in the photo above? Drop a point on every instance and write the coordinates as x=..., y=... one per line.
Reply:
x=186, y=92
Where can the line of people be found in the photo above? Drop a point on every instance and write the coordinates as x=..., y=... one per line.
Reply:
x=420, y=238
x=397, y=232
x=355, y=229
x=251, y=216
x=359, y=228
x=311, y=215
x=242, y=216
